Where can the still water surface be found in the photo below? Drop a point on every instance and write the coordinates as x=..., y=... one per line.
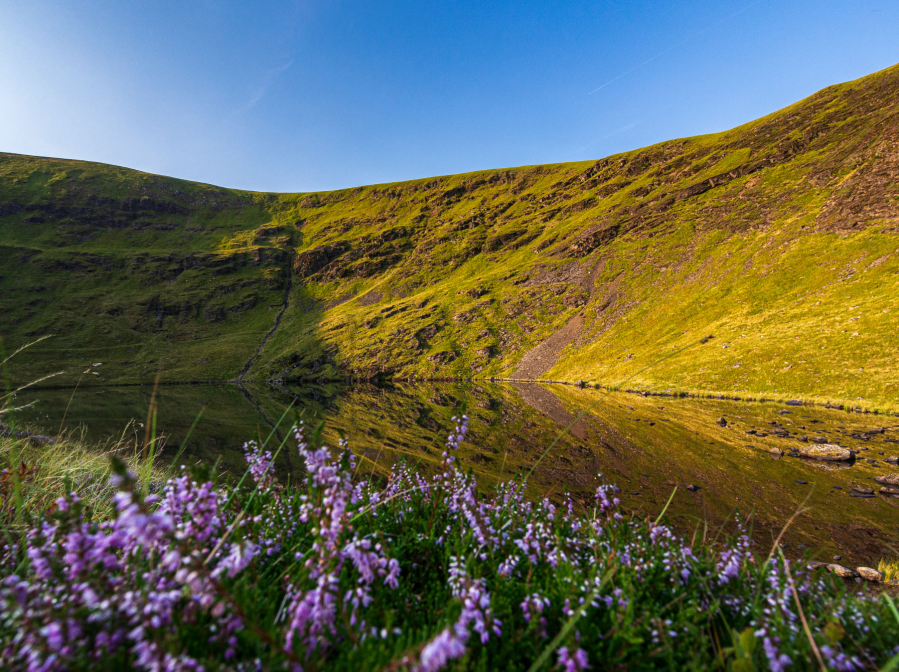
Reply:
x=647, y=446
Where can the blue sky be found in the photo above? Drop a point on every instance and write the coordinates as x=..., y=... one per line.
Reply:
x=306, y=95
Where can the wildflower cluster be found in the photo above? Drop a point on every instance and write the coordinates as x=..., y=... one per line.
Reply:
x=420, y=573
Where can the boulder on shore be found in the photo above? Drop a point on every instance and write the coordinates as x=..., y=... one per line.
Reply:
x=829, y=452
x=842, y=572
x=869, y=574
x=889, y=479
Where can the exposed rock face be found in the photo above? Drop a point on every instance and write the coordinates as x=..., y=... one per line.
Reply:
x=312, y=261
x=828, y=452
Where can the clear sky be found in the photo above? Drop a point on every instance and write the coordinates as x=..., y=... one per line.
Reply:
x=310, y=95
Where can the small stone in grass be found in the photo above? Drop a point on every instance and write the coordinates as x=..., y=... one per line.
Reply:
x=864, y=491
x=802, y=482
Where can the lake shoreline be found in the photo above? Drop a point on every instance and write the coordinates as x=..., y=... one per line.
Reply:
x=787, y=399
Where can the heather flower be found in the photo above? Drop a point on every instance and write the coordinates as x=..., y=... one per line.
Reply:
x=435, y=655
x=261, y=465
x=576, y=661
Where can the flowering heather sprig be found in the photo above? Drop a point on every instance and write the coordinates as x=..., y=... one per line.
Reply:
x=454, y=441
x=261, y=464
x=605, y=498
x=575, y=661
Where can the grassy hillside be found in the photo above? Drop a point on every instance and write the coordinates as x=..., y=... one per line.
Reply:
x=777, y=237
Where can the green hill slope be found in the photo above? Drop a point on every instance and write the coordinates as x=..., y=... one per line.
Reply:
x=778, y=237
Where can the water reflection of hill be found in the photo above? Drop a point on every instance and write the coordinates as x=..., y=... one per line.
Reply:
x=645, y=445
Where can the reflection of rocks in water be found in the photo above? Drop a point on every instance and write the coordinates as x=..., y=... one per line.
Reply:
x=488, y=404
x=445, y=400
x=829, y=466
x=541, y=399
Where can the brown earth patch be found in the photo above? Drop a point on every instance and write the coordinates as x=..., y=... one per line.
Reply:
x=542, y=357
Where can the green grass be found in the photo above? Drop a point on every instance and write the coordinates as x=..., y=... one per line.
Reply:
x=45, y=472
x=890, y=569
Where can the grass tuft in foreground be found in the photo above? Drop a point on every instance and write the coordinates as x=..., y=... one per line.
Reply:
x=422, y=574
x=36, y=470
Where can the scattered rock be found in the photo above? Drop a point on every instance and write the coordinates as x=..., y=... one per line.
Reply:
x=794, y=402
x=828, y=452
x=861, y=494
x=820, y=439
x=864, y=491
x=889, y=491
x=804, y=439
x=842, y=572
x=693, y=488
x=776, y=451
x=722, y=422
x=837, y=558
x=802, y=482
x=892, y=458
x=750, y=431
x=706, y=339
x=784, y=411
x=444, y=357
x=889, y=479
x=869, y=574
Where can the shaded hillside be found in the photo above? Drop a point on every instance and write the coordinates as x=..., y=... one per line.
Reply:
x=777, y=237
